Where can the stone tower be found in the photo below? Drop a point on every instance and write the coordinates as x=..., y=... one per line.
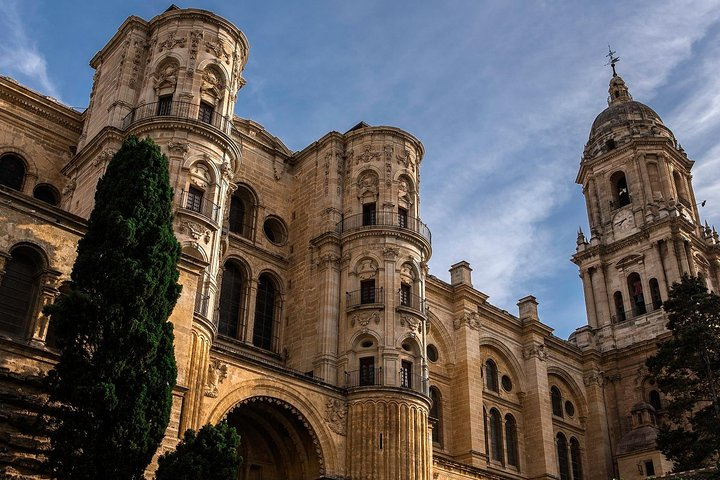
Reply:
x=645, y=233
x=175, y=79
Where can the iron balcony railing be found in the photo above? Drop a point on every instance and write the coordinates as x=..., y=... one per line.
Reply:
x=202, y=304
x=369, y=377
x=199, y=204
x=178, y=109
x=636, y=311
x=410, y=300
x=384, y=219
x=366, y=296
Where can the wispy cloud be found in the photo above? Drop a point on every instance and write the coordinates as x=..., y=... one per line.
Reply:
x=19, y=56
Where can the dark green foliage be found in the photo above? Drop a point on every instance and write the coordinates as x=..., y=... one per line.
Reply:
x=212, y=454
x=687, y=370
x=117, y=367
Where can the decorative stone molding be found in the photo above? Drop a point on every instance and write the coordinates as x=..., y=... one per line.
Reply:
x=102, y=158
x=211, y=83
x=363, y=320
x=330, y=260
x=69, y=188
x=195, y=230
x=406, y=160
x=219, y=49
x=367, y=155
x=412, y=323
x=536, y=350
x=468, y=319
x=391, y=253
x=178, y=148
x=594, y=378
x=171, y=42
x=217, y=372
x=335, y=415
x=366, y=269
x=195, y=37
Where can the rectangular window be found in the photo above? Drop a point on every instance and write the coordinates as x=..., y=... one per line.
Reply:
x=367, y=291
x=206, y=112
x=402, y=218
x=369, y=217
x=164, y=105
x=367, y=371
x=406, y=374
x=194, y=199
x=405, y=296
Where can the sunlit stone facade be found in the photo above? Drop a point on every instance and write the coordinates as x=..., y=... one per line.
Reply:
x=308, y=318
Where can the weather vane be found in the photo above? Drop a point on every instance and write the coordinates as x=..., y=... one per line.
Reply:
x=613, y=60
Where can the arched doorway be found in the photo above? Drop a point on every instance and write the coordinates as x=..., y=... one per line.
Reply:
x=276, y=441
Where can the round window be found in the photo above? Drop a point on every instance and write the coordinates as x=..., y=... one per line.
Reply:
x=569, y=408
x=432, y=353
x=275, y=230
x=367, y=344
x=506, y=383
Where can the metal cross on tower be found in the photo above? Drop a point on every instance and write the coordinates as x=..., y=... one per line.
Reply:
x=613, y=60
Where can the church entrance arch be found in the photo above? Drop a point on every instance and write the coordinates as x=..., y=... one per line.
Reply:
x=276, y=441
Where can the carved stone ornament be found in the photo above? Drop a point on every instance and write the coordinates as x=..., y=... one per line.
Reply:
x=467, y=319
x=200, y=176
x=412, y=323
x=391, y=253
x=219, y=49
x=102, y=158
x=178, y=148
x=166, y=77
x=406, y=160
x=226, y=170
x=364, y=321
x=335, y=415
x=594, y=378
x=211, y=83
x=330, y=260
x=217, y=372
x=366, y=269
x=367, y=184
x=172, y=42
x=536, y=350
x=195, y=230
x=367, y=155
x=69, y=188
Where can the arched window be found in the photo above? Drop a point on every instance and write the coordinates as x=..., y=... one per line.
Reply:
x=47, y=194
x=496, y=443
x=575, y=460
x=242, y=212
x=635, y=291
x=511, y=441
x=231, y=299
x=654, y=400
x=621, y=194
x=19, y=290
x=265, y=306
x=435, y=415
x=237, y=215
x=619, y=307
x=556, y=400
x=655, y=293
x=12, y=172
x=562, y=456
x=491, y=376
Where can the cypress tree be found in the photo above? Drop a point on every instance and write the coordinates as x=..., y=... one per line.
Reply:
x=686, y=367
x=113, y=383
x=211, y=454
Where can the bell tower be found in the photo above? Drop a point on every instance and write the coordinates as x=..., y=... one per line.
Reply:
x=645, y=229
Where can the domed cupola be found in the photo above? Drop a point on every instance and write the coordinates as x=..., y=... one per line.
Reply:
x=623, y=120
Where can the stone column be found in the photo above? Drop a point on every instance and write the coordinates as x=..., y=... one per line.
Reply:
x=589, y=298
x=48, y=293
x=468, y=441
x=196, y=376
x=325, y=364
x=539, y=433
x=597, y=440
x=600, y=294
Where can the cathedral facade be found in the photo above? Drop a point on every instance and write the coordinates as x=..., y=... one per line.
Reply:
x=308, y=318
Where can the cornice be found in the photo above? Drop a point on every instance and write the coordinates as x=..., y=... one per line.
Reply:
x=382, y=231
x=48, y=214
x=41, y=105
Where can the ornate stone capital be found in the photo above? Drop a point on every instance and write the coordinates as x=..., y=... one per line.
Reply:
x=391, y=253
x=335, y=415
x=178, y=148
x=594, y=377
x=536, y=350
x=467, y=319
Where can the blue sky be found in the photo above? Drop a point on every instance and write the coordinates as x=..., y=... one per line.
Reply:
x=502, y=94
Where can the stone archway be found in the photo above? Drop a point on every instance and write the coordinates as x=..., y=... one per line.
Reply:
x=277, y=442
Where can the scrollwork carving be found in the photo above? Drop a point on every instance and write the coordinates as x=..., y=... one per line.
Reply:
x=195, y=230
x=364, y=321
x=412, y=323
x=536, y=350
x=171, y=42
x=467, y=319
x=335, y=415
x=217, y=372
